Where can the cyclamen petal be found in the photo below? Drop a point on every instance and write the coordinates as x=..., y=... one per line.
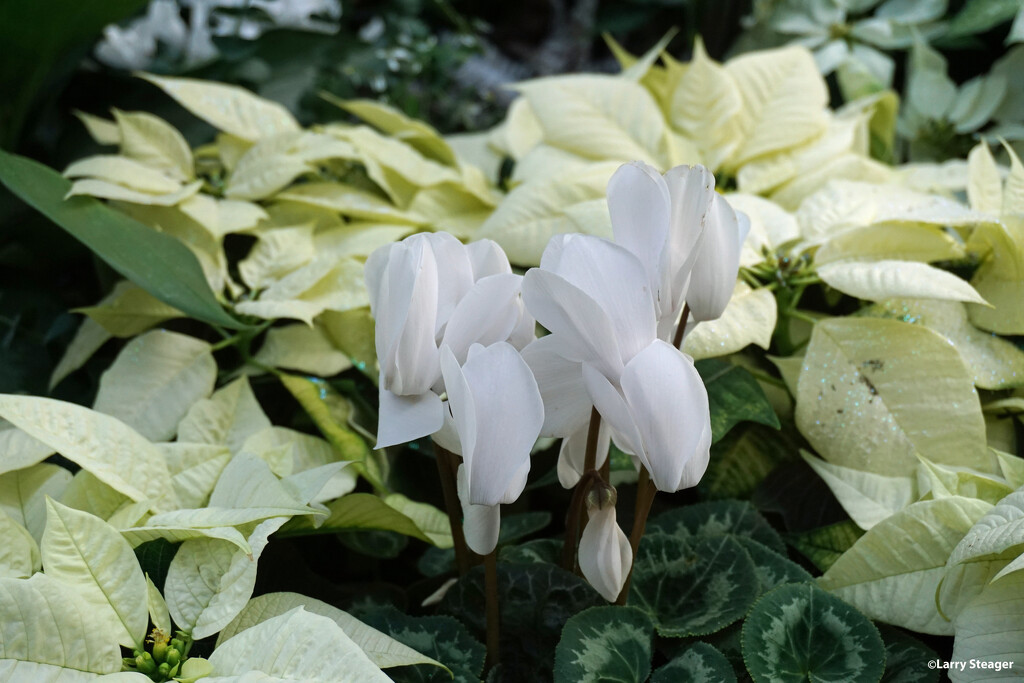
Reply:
x=604, y=553
x=488, y=313
x=405, y=418
x=481, y=524
x=567, y=405
x=713, y=277
x=640, y=206
x=572, y=454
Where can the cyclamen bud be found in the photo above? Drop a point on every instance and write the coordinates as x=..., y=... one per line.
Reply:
x=601, y=496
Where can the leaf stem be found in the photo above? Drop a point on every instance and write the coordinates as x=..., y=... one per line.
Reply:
x=681, y=329
x=645, y=492
x=574, y=516
x=493, y=615
x=447, y=468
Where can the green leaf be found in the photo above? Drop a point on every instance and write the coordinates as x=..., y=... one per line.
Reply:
x=715, y=518
x=609, y=643
x=824, y=545
x=382, y=650
x=978, y=16
x=59, y=641
x=875, y=393
x=734, y=396
x=442, y=638
x=158, y=263
x=743, y=458
x=903, y=657
x=692, y=587
x=798, y=632
x=773, y=569
x=85, y=553
x=893, y=572
x=297, y=646
x=537, y=551
x=698, y=663
x=358, y=511
x=536, y=600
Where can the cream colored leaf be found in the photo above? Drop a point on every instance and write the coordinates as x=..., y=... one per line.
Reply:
x=194, y=470
x=943, y=480
x=867, y=497
x=598, y=117
x=278, y=252
x=431, y=521
x=154, y=380
x=19, y=554
x=154, y=142
x=111, y=450
x=990, y=632
x=103, y=131
x=892, y=241
x=382, y=649
x=472, y=149
x=390, y=121
x=519, y=132
x=451, y=208
x=749, y=318
x=228, y=108
x=392, y=163
x=848, y=167
x=85, y=553
x=1000, y=278
x=893, y=571
x=349, y=201
x=138, y=535
x=784, y=101
x=19, y=450
x=875, y=393
x=227, y=418
x=321, y=285
x=87, y=493
x=59, y=643
x=532, y=213
x=273, y=163
x=222, y=216
x=108, y=190
x=23, y=494
x=985, y=185
x=770, y=225
x=157, y=607
x=304, y=647
x=357, y=240
x=88, y=339
x=209, y=581
x=545, y=162
x=307, y=451
x=995, y=363
x=302, y=348
x=1013, y=190
x=129, y=310
x=878, y=280
x=123, y=171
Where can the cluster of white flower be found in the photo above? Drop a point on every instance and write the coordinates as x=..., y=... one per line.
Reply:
x=454, y=321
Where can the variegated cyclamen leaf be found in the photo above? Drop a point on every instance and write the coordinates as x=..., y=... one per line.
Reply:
x=714, y=518
x=609, y=643
x=892, y=573
x=298, y=647
x=773, y=569
x=85, y=553
x=874, y=393
x=698, y=663
x=692, y=587
x=58, y=641
x=154, y=381
x=798, y=632
x=209, y=581
x=111, y=450
x=383, y=650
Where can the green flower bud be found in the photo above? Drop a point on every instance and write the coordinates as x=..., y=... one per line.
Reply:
x=145, y=663
x=178, y=644
x=160, y=651
x=173, y=657
x=164, y=669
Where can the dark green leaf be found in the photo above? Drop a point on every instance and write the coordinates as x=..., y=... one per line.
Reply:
x=824, y=545
x=906, y=658
x=798, y=632
x=772, y=568
x=718, y=517
x=795, y=492
x=535, y=601
x=609, y=643
x=743, y=458
x=438, y=637
x=155, y=557
x=158, y=263
x=437, y=561
x=734, y=396
x=374, y=543
x=698, y=663
x=692, y=587
x=539, y=550
x=978, y=16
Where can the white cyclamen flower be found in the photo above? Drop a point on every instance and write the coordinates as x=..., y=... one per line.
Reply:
x=497, y=411
x=427, y=291
x=604, y=553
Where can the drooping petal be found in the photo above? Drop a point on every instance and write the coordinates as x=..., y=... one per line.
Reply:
x=481, y=524
x=614, y=410
x=499, y=412
x=572, y=454
x=640, y=207
x=560, y=381
x=714, y=273
x=487, y=258
x=669, y=404
x=604, y=553
x=696, y=466
x=406, y=320
x=405, y=418
x=614, y=278
x=488, y=313
x=567, y=311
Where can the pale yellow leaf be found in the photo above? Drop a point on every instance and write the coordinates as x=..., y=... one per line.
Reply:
x=749, y=318
x=154, y=142
x=23, y=494
x=349, y=201
x=19, y=554
x=103, y=131
x=18, y=449
x=1000, y=277
x=892, y=241
x=157, y=607
x=107, y=190
x=222, y=216
x=277, y=252
x=227, y=418
x=985, y=185
x=877, y=280
x=303, y=348
x=390, y=121
x=867, y=497
x=357, y=240
x=129, y=310
x=123, y=171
